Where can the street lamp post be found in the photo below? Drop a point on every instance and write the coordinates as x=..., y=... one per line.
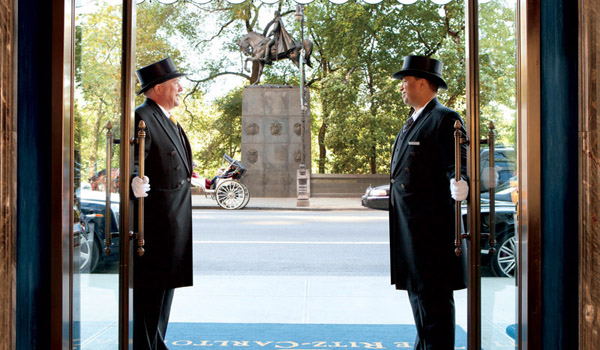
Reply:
x=303, y=176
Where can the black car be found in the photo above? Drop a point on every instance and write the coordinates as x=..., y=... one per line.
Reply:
x=91, y=240
x=503, y=261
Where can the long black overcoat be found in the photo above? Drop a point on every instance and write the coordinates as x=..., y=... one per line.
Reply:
x=421, y=208
x=167, y=261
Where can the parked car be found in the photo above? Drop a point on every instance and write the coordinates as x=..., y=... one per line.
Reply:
x=503, y=261
x=92, y=233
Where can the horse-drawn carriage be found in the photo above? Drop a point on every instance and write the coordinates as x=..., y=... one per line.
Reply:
x=226, y=187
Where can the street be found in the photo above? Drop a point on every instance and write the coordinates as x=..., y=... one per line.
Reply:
x=279, y=242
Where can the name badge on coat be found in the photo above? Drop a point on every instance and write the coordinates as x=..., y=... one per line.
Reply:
x=414, y=143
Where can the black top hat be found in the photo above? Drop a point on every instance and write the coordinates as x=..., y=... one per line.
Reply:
x=422, y=67
x=157, y=73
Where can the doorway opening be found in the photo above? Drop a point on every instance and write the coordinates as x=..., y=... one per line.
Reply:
x=271, y=266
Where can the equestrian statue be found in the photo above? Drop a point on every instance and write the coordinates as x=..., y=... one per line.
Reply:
x=273, y=45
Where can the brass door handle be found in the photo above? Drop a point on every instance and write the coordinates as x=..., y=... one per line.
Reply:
x=458, y=140
x=492, y=188
x=141, y=149
x=107, y=189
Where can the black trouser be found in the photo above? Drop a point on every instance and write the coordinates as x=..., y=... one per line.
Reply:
x=434, y=317
x=151, y=309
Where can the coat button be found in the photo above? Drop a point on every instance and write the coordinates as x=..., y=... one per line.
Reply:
x=412, y=154
x=178, y=167
x=182, y=181
x=188, y=179
x=393, y=180
x=403, y=186
x=172, y=153
x=407, y=170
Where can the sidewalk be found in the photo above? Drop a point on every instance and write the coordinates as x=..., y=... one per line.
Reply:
x=263, y=203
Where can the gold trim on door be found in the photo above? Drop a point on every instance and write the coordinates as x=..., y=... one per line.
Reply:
x=126, y=163
x=61, y=199
x=474, y=227
x=528, y=168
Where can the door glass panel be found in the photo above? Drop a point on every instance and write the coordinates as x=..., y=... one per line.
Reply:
x=96, y=164
x=497, y=64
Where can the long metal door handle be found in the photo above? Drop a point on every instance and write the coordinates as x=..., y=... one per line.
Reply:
x=107, y=189
x=141, y=161
x=457, y=167
x=492, y=186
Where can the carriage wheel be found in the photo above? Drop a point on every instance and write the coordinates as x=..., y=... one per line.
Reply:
x=231, y=195
x=246, y=196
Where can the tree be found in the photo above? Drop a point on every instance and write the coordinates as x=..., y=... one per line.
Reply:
x=359, y=50
x=355, y=104
x=98, y=81
x=98, y=71
x=222, y=133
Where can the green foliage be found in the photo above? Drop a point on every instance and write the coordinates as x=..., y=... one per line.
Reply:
x=222, y=133
x=359, y=50
x=356, y=107
x=98, y=78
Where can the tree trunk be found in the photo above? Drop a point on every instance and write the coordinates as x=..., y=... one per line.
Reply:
x=374, y=111
x=322, y=149
x=323, y=129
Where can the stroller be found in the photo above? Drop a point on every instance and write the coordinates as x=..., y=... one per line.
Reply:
x=227, y=189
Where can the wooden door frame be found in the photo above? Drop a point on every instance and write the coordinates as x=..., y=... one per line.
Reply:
x=528, y=143
x=589, y=170
x=8, y=174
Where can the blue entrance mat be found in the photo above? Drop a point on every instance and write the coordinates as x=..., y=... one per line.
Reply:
x=280, y=336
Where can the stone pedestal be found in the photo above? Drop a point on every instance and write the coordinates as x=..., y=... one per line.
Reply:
x=272, y=139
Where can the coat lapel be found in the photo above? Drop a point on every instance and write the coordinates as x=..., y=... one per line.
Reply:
x=172, y=132
x=403, y=138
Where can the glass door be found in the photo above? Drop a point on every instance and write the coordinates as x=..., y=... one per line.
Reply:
x=492, y=159
x=498, y=173
x=101, y=129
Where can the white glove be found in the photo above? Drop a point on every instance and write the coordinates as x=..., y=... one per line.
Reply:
x=140, y=187
x=459, y=190
x=489, y=177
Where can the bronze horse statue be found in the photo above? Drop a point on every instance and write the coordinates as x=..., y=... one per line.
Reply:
x=254, y=44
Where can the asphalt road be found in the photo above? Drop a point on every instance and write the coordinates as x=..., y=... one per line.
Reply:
x=279, y=242
x=290, y=243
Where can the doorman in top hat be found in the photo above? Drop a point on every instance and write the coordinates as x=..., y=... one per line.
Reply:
x=167, y=260
x=422, y=194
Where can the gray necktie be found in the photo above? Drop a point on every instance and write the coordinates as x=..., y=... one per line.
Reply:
x=408, y=124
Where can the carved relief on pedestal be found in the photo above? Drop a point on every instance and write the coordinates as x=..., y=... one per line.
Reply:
x=297, y=156
x=276, y=128
x=252, y=156
x=298, y=129
x=252, y=129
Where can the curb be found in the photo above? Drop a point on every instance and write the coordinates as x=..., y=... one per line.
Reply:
x=280, y=208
